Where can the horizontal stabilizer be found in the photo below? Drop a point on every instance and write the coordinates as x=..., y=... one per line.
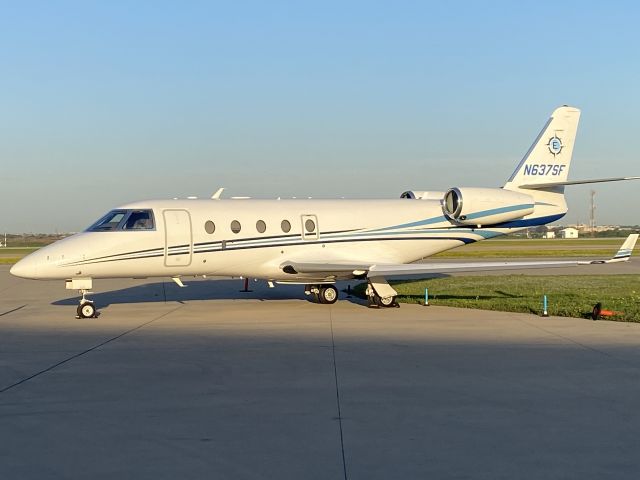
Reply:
x=538, y=186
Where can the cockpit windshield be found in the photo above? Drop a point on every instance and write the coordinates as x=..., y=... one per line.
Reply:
x=117, y=220
x=139, y=220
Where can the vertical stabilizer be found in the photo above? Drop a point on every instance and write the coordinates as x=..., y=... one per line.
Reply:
x=549, y=158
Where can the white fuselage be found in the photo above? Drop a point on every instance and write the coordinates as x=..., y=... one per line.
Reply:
x=367, y=231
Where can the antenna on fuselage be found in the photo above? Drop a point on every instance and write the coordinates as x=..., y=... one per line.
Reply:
x=218, y=194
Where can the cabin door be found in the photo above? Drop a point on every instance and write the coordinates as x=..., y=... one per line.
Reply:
x=178, y=245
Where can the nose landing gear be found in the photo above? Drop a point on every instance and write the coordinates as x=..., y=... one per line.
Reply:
x=86, y=309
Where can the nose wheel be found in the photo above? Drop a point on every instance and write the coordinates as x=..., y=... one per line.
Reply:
x=86, y=309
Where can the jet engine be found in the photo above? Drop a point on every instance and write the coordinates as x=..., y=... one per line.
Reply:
x=485, y=206
x=418, y=195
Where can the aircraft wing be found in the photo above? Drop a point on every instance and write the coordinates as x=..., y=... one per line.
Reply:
x=390, y=270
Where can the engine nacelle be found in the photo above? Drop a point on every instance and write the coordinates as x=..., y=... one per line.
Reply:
x=418, y=195
x=485, y=206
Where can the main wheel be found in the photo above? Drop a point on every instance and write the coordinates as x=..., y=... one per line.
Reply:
x=328, y=294
x=86, y=310
x=385, y=302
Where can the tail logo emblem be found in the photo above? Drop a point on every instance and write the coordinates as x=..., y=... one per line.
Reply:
x=555, y=145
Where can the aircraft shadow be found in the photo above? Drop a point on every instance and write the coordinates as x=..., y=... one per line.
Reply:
x=461, y=297
x=168, y=291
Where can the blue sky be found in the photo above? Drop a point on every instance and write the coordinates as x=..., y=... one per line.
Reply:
x=103, y=103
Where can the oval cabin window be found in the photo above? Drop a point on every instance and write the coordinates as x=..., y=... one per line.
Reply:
x=286, y=226
x=261, y=226
x=209, y=227
x=235, y=226
x=310, y=225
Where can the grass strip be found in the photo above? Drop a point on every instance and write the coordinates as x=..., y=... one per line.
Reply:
x=568, y=295
x=8, y=260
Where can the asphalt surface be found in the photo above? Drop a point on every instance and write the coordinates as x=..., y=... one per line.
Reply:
x=208, y=382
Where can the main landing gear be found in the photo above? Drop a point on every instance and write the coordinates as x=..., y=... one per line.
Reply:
x=86, y=309
x=376, y=300
x=326, y=294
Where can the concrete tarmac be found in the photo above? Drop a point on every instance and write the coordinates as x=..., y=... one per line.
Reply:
x=207, y=382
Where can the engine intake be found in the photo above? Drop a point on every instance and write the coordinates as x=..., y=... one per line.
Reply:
x=420, y=195
x=485, y=206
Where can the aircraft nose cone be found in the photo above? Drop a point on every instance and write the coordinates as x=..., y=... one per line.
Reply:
x=25, y=268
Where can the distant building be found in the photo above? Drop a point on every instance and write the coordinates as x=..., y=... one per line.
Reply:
x=597, y=228
x=569, y=232
x=549, y=234
x=605, y=228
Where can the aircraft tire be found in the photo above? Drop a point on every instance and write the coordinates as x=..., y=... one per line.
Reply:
x=328, y=294
x=386, y=302
x=86, y=310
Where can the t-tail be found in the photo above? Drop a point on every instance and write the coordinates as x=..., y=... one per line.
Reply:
x=544, y=171
x=549, y=158
x=545, y=167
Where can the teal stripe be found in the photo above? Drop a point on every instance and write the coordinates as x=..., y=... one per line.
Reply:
x=495, y=211
x=419, y=223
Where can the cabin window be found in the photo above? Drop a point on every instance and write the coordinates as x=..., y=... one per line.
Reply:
x=235, y=226
x=261, y=226
x=209, y=227
x=310, y=225
x=286, y=226
x=139, y=220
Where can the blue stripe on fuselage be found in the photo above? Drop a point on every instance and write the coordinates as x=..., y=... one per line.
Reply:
x=495, y=211
x=529, y=222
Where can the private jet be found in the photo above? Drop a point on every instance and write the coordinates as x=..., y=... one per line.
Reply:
x=316, y=243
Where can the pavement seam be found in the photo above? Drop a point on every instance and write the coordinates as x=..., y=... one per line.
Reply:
x=88, y=350
x=335, y=377
x=575, y=342
x=12, y=310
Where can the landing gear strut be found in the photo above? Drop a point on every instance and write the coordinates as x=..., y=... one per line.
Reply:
x=86, y=309
x=326, y=294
